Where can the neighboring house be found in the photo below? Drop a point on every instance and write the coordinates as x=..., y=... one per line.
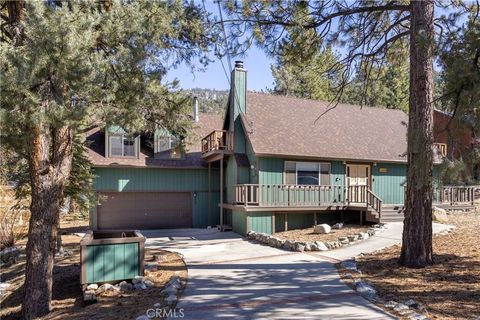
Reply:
x=152, y=182
x=456, y=140
x=281, y=163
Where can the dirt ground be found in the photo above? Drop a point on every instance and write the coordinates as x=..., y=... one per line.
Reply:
x=67, y=300
x=450, y=289
x=307, y=235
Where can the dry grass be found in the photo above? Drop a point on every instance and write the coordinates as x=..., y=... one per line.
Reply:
x=13, y=217
x=67, y=301
x=307, y=235
x=450, y=289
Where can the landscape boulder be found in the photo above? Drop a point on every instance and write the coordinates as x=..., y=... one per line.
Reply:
x=321, y=246
x=322, y=228
x=338, y=225
x=366, y=290
x=299, y=247
x=439, y=214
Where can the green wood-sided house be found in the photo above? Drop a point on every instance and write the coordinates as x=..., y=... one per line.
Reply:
x=272, y=163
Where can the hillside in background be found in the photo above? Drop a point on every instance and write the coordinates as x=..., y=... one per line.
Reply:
x=210, y=100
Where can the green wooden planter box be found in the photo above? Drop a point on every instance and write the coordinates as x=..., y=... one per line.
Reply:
x=108, y=256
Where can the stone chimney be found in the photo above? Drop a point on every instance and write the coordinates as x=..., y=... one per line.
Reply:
x=196, y=116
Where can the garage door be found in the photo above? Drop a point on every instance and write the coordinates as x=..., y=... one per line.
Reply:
x=144, y=210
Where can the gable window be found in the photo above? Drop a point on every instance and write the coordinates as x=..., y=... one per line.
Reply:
x=307, y=173
x=122, y=146
x=168, y=147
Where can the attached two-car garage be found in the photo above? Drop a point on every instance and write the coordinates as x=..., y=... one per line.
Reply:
x=144, y=210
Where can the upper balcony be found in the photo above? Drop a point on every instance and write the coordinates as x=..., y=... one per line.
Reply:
x=217, y=143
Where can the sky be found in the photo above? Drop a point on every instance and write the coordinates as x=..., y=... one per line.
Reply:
x=256, y=62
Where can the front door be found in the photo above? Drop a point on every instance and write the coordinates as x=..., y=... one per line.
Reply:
x=358, y=180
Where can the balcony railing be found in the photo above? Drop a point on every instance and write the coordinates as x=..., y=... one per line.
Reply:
x=458, y=195
x=280, y=195
x=217, y=140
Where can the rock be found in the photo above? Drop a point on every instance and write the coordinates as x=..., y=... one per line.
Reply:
x=399, y=307
x=289, y=245
x=337, y=225
x=148, y=283
x=366, y=290
x=322, y=228
x=89, y=296
x=251, y=234
x=348, y=276
x=363, y=235
x=390, y=304
x=157, y=305
x=371, y=232
x=349, y=265
x=321, y=246
x=343, y=240
x=92, y=286
x=125, y=286
x=107, y=287
x=352, y=238
x=299, y=247
x=417, y=316
x=308, y=246
x=176, y=282
x=314, y=247
x=170, y=290
x=140, y=286
x=410, y=302
x=137, y=279
x=406, y=312
x=439, y=214
x=171, y=299
x=144, y=317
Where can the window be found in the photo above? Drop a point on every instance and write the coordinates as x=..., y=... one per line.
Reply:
x=307, y=173
x=122, y=146
x=169, y=147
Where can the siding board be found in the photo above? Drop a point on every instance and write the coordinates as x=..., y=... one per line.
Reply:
x=389, y=185
x=160, y=179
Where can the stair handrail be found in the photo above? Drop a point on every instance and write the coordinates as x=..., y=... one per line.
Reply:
x=375, y=202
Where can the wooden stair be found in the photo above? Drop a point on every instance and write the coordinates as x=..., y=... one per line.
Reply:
x=390, y=213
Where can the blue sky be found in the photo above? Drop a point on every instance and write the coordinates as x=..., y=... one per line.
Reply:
x=256, y=63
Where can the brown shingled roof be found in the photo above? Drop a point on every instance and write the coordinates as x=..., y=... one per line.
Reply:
x=193, y=157
x=286, y=126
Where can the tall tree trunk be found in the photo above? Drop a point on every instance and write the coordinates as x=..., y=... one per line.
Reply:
x=50, y=165
x=417, y=230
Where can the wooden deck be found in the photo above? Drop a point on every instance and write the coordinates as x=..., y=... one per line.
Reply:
x=217, y=144
x=311, y=198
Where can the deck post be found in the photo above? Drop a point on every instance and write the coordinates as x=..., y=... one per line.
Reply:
x=315, y=218
x=273, y=222
x=209, y=216
x=221, y=193
x=286, y=221
x=361, y=217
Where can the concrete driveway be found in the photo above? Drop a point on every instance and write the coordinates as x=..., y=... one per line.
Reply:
x=232, y=278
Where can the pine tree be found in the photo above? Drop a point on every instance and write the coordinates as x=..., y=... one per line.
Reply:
x=66, y=67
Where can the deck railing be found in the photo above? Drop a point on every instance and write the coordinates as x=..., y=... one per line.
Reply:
x=458, y=195
x=281, y=195
x=217, y=140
